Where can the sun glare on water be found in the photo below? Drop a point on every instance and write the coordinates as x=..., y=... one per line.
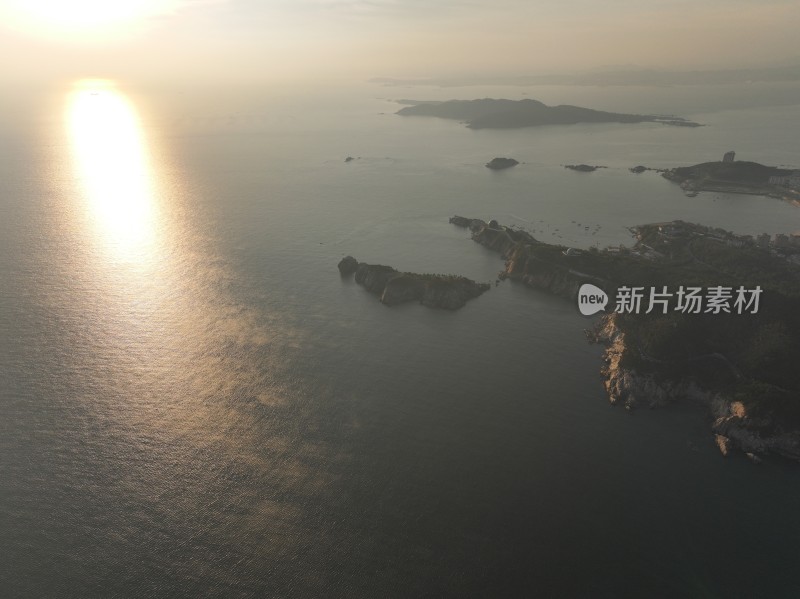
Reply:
x=113, y=167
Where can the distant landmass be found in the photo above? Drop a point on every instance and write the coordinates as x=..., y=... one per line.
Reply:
x=489, y=113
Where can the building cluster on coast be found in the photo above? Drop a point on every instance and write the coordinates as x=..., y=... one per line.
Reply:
x=732, y=176
x=790, y=181
x=781, y=245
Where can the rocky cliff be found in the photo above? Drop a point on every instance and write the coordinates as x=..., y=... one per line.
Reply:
x=733, y=425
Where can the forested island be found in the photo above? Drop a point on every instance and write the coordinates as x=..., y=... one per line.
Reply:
x=448, y=292
x=743, y=366
x=491, y=113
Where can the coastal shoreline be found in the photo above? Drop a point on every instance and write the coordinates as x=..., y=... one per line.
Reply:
x=741, y=419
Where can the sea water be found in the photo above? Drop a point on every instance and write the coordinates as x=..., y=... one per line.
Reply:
x=194, y=403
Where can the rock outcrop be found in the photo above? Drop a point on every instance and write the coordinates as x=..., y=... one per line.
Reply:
x=627, y=387
x=348, y=265
x=724, y=444
x=757, y=435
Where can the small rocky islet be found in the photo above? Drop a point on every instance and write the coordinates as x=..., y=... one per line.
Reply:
x=583, y=168
x=446, y=292
x=497, y=164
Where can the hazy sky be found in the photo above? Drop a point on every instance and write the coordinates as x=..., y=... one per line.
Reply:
x=276, y=39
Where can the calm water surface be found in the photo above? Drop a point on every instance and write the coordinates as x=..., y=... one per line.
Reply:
x=193, y=403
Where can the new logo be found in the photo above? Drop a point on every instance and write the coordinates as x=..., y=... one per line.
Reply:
x=591, y=299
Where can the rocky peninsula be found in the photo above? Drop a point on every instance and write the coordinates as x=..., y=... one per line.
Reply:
x=447, y=292
x=489, y=113
x=741, y=366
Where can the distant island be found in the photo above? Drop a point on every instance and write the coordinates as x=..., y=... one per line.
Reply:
x=637, y=170
x=490, y=113
x=583, y=168
x=742, y=366
x=729, y=176
x=501, y=163
x=448, y=292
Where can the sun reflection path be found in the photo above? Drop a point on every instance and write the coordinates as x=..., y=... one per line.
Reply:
x=112, y=165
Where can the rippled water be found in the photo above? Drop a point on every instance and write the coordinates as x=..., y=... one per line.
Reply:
x=195, y=404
